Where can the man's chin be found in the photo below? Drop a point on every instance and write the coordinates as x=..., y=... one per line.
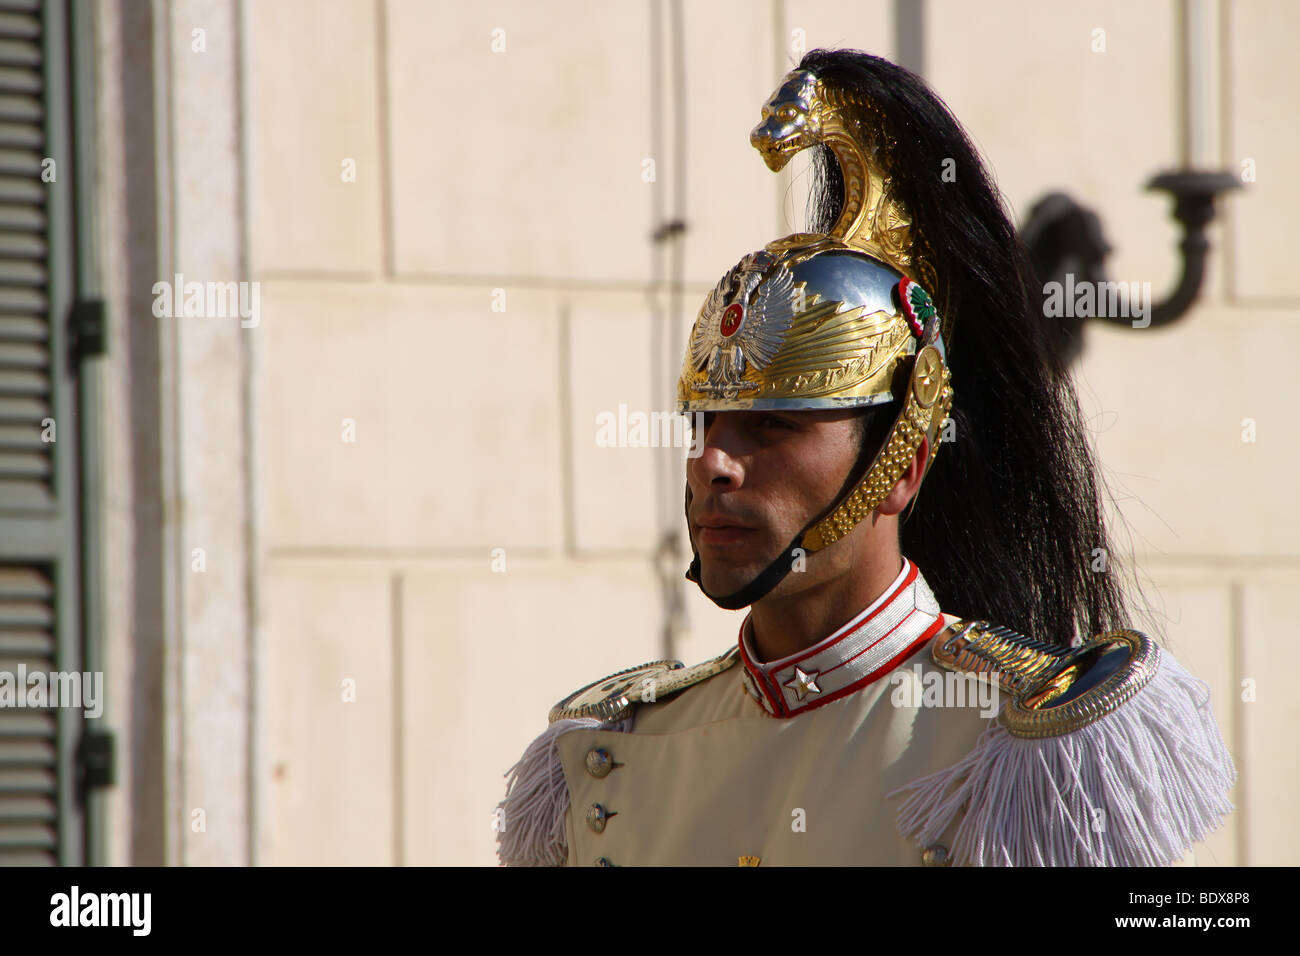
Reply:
x=726, y=581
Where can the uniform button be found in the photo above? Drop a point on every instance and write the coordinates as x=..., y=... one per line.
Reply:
x=599, y=762
x=936, y=855
x=597, y=816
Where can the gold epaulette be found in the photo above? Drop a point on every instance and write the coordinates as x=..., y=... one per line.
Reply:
x=612, y=698
x=1108, y=754
x=1055, y=689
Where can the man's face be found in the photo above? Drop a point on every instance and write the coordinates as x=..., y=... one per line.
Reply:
x=760, y=479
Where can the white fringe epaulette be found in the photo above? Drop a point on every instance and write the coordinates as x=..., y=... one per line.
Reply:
x=1136, y=788
x=530, y=820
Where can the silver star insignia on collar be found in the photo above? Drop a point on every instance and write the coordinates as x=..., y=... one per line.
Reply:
x=803, y=683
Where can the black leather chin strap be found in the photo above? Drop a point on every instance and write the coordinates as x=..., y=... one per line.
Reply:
x=756, y=589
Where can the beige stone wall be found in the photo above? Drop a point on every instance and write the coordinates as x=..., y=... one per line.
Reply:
x=516, y=177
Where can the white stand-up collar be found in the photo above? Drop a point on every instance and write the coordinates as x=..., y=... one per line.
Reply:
x=903, y=618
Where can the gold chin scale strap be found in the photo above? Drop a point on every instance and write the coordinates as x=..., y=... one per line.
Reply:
x=929, y=399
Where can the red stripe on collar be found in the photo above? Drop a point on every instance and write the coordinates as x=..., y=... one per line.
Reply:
x=860, y=652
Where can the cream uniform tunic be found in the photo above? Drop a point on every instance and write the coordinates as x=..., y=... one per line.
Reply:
x=792, y=762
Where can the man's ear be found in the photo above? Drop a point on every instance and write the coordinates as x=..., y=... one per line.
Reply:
x=908, y=483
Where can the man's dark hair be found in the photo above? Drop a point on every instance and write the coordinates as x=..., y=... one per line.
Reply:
x=1007, y=524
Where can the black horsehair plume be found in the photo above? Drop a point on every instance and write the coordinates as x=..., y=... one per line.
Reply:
x=1009, y=521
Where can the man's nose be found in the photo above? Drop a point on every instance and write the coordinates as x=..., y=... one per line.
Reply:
x=720, y=460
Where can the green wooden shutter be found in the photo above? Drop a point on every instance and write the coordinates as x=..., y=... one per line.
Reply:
x=41, y=807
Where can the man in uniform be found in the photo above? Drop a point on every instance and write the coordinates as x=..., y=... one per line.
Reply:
x=853, y=719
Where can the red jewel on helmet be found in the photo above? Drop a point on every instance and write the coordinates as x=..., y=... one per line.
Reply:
x=731, y=317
